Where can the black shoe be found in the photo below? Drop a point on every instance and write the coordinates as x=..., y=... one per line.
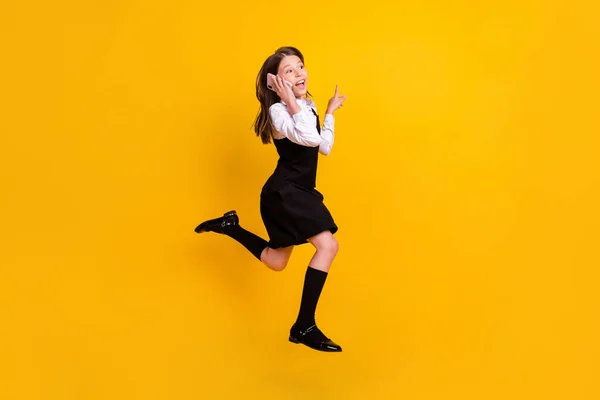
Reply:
x=313, y=338
x=216, y=225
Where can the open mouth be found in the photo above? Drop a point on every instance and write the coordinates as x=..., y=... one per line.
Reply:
x=301, y=84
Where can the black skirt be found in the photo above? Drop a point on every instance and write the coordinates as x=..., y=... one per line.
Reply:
x=293, y=213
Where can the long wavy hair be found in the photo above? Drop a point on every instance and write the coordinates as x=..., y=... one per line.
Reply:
x=266, y=97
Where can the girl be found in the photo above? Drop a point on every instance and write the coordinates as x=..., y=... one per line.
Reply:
x=291, y=208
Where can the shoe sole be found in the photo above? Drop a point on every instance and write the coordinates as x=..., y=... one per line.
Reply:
x=296, y=341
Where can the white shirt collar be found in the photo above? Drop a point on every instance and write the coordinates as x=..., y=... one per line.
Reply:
x=303, y=100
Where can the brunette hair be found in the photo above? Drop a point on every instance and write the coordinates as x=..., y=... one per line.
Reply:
x=267, y=97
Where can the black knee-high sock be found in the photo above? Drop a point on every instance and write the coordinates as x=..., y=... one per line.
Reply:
x=314, y=280
x=255, y=244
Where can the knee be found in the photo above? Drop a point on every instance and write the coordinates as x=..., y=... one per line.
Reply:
x=329, y=246
x=275, y=260
x=278, y=265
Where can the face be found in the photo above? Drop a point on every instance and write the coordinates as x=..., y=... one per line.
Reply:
x=291, y=68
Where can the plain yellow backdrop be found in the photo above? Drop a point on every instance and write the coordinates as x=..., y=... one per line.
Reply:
x=464, y=179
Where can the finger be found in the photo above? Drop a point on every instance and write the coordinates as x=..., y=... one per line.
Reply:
x=284, y=85
x=336, y=91
x=281, y=88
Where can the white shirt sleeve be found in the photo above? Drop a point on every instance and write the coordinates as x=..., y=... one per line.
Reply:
x=301, y=128
x=327, y=134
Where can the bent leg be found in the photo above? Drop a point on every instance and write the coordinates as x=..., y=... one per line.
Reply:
x=327, y=247
x=315, y=277
x=276, y=259
x=305, y=328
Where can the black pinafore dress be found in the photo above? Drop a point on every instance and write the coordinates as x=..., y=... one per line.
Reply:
x=291, y=207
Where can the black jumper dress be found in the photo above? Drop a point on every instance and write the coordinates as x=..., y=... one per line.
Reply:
x=291, y=207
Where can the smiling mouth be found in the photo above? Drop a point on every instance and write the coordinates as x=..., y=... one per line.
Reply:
x=301, y=84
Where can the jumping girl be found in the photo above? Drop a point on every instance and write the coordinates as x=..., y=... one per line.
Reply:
x=291, y=208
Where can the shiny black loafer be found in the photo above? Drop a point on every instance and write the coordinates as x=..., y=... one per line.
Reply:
x=230, y=218
x=313, y=338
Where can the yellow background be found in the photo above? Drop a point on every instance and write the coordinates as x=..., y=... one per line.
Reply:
x=464, y=179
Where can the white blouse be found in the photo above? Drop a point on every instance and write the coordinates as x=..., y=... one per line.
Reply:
x=301, y=128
